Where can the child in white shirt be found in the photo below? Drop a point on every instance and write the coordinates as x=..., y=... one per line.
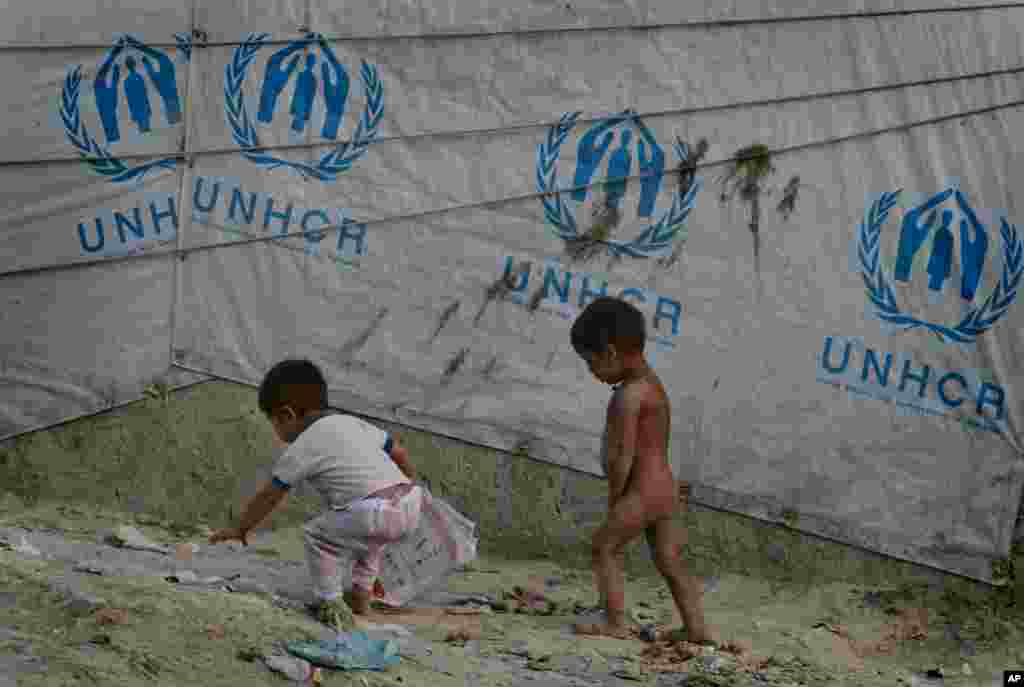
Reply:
x=361, y=472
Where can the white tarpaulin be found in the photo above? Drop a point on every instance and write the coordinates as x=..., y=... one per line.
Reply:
x=387, y=206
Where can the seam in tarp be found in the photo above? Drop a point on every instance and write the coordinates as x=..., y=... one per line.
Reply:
x=490, y=203
x=177, y=296
x=695, y=24
x=216, y=376
x=702, y=109
x=95, y=413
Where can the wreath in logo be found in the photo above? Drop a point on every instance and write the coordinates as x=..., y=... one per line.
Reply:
x=333, y=163
x=977, y=320
x=97, y=156
x=654, y=241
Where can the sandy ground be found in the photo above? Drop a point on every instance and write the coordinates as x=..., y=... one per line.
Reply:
x=75, y=610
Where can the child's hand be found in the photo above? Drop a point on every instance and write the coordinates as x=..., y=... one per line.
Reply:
x=228, y=534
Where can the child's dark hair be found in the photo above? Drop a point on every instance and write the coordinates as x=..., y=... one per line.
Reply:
x=296, y=383
x=608, y=321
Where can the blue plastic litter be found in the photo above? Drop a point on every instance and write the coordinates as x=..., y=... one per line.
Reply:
x=349, y=651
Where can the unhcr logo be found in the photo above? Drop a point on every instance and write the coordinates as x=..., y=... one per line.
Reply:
x=626, y=147
x=308, y=79
x=135, y=92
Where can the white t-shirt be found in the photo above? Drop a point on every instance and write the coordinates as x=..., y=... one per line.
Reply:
x=343, y=457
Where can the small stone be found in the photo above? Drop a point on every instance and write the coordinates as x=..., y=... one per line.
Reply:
x=712, y=664
x=952, y=632
x=649, y=633
x=8, y=600
x=629, y=673
x=873, y=599
x=968, y=647
x=775, y=552
x=90, y=568
x=711, y=585
x=75, y=600
x=182, y=577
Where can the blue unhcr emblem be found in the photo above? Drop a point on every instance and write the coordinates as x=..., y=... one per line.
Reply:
x=657, y=238
x=977, y=319
x=333, y=83
x=143, y=67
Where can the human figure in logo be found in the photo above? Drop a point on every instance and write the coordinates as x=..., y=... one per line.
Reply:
x=940, y=265
x=163, y=78
x=302, y=100
x=913, y=233
x=275, y=79
x=105, y=88
x=589, y=154
x=138, y=98
x=652, y=168
x=619, y=167
x=336, y=85
x=972, y=251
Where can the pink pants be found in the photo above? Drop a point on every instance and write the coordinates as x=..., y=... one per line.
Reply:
x=359, y=532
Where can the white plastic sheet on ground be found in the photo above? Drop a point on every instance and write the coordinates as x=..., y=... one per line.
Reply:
x=375, y=205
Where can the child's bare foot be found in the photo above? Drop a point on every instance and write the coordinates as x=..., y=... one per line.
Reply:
x=603, y=630
x=682, y=634
x=358, y=600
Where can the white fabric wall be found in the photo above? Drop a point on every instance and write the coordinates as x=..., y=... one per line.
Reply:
x=383, y=273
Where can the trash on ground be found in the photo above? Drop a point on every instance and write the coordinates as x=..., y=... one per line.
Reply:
x=26, y=549
x=292, y=667
x=128, y=537
x=184, y=552
x=246, y=586
x=668, y=657
x=111, y=616
x=469, y=610
x=462, y=635
x=530, y=602
x=349, y=651
x=249, y=654
x=399, y=630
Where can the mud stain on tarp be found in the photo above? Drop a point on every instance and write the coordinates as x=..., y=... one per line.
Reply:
x=350, y=348
x=687, y=171
x=501, y=288
x=454, y=365
x=442, y=322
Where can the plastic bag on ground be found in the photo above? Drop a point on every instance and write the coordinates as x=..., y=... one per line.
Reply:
x=349, y=651
x=443, y=541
